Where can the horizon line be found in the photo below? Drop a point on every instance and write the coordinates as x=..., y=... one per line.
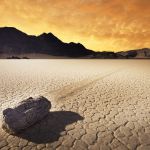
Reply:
x=36, y=35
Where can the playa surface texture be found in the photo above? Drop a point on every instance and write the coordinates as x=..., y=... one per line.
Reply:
x=96, y=104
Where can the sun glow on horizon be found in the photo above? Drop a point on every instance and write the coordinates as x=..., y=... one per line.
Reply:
x=97, y=24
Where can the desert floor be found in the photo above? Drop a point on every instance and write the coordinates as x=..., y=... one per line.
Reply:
x=96, y=104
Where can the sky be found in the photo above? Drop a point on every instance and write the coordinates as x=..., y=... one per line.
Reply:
x=100, y=25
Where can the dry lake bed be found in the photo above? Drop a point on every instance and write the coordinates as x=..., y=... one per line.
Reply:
x=96, y=104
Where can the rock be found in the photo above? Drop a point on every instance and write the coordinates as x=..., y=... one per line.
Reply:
x=25, y=114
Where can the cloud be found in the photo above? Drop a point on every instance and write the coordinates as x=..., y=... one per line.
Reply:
x=98, y=24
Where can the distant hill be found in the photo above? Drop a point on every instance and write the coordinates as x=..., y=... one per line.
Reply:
x=139, y=53
x=14, y=43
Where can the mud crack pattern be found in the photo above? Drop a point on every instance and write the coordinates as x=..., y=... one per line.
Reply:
x=97, y=104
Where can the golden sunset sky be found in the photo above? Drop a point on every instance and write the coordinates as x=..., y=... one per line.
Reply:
x=98, y=24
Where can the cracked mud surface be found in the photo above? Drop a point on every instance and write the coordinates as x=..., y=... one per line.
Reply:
x=96, y=104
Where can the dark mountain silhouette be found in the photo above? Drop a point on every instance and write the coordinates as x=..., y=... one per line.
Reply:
x=14, y=42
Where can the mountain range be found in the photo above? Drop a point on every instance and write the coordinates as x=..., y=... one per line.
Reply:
x=14, y=43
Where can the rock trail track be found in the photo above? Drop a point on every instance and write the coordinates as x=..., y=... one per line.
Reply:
x=99, y=105
x=70, y=90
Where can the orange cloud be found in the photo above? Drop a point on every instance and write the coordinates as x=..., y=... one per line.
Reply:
x=98, y=24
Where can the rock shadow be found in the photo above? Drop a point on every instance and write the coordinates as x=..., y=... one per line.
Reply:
x=48, y=130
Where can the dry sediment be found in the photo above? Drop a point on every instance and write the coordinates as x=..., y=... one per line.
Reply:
x=97, y=104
